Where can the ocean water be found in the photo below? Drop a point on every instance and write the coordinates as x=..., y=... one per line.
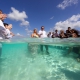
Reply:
x=40, y=59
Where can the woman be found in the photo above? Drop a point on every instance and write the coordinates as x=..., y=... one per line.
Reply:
x=75, y=33
x=32, y=47
x=8, y=29
x=35, y=34
x=62, y=34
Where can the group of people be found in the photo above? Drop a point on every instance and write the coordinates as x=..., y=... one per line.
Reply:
x=68, y=33
x=5, y=32
x=42, y=33
x=5, y=29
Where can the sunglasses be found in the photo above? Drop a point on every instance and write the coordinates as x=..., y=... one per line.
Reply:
x=42, y=28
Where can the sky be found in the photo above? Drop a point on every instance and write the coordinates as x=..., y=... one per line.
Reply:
x=25, y=15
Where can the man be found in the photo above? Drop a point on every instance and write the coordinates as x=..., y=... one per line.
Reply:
x=43, y=34
x=2, y=28
x=3, y=32
x=69, y=32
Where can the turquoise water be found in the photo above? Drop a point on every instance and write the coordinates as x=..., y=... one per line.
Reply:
x=22, y=59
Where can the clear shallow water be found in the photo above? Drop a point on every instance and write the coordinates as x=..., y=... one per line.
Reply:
x=23, y=59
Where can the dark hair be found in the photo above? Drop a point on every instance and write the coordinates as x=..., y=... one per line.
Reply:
x=1, y=11
x=76, y=31
x=69, y=27
x=42, y=26
x=56, y=30
x=5, y=24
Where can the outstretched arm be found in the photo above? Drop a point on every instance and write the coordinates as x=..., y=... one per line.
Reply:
x=12, y=34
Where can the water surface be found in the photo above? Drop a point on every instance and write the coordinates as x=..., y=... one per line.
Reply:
x=22, y=59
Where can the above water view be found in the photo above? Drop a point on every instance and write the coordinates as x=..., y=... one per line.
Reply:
x=40, y=40
x=40, y=59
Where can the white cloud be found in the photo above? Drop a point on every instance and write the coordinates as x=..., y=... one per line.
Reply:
x=28, y=32
x=24, y=23
x=73, y=22
x=52, y=17
x=18, y=34
x=67, y=3
x=18, y=16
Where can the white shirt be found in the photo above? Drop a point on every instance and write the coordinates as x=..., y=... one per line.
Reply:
x=8, y=33
x=44, y=34
x=3, y=32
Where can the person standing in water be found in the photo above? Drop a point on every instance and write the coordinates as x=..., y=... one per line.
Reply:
x=3, y=32
x=35, y=34
x=8, y=29
x=43, y=34
x=32, y=47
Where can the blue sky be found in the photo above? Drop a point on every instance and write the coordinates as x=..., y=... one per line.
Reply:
x=25, y=15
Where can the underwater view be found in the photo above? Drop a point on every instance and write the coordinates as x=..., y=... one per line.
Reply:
x=40, y=59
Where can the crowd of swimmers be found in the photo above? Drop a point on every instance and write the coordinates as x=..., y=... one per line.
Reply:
x=63, y=34
x=5, y=32
x=69, y=33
